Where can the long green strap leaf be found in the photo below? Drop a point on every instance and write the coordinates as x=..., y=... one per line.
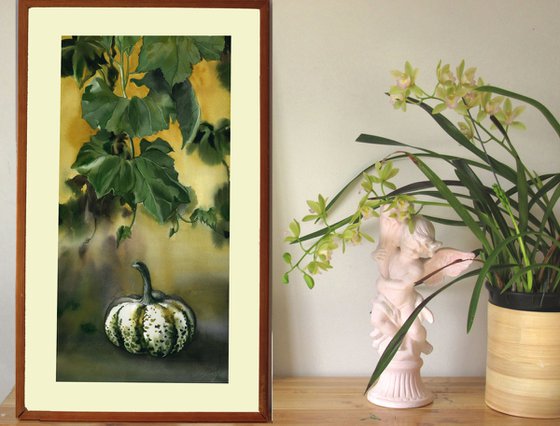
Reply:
x=523, y=271
x=499, y=167
x=453, y=201
x=549, y=211
x=489, y=263
x=444, y=221
x=379, y=140
x=425, y=184
x=445, y=157
x=547, y=187
x=522, y=196
x=323, y=231
x=547, y=176
x=354, y=179
x=533, y=102
x=480, y=194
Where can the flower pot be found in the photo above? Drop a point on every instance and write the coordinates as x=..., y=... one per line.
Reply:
x=523, y=363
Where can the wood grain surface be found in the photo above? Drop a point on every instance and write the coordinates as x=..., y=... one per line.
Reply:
x=340, y=401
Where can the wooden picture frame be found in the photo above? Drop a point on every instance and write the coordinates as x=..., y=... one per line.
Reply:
x=62, y=68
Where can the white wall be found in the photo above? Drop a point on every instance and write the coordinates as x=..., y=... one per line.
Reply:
x=331, y=62
x=7, y=194
x=331, y=66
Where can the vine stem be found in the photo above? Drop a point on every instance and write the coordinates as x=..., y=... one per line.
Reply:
x=133, y=216
x=227, y=168
x=124, y=79
x=132, y=148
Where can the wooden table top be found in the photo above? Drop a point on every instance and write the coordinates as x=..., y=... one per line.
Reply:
x=340, y=401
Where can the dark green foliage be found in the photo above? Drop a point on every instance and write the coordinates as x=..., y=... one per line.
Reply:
x=176, y=56
x=217, y=217
x=224, y=67
x=123, y=233
x=208, y=217
x=126, y=43
x=188, y=110
x=157, y=186
x=211, y=143
x=82, y=56
x=136, y=117
x=149, y=179
x=80, y=213
x=221, y=201
x=113, y=174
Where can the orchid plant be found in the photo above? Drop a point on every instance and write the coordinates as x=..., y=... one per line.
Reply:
x=512, y=216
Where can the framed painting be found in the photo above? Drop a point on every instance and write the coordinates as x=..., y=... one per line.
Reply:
x=143, y=219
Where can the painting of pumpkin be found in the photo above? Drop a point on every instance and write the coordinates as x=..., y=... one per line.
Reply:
x=144, y=179
x=152, y=323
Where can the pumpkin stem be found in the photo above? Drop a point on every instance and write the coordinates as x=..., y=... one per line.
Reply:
x=147, y=297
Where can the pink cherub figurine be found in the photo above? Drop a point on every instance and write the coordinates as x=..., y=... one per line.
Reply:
x=406, y=254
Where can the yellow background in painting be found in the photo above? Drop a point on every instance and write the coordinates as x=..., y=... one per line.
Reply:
x=150, y=239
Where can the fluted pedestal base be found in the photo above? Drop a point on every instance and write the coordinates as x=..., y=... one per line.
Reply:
x=400, y=386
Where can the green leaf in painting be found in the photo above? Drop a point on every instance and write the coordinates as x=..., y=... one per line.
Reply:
x=157, y=184
x=217, y=217
x=221, y=201
x=123, y=233
x=82, y=56
x=160, y=91
x=208, y=217
x=212, y=143
x=107, y=172
x=210, y=47
x=224, y=74
x=83, y=210
x=149, y=179
x=224, y=66
x=126, y=43
x=176, y=55
x=137, y=117
x=188, y=110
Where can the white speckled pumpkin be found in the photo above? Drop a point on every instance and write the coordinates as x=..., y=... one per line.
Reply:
x=155, y=323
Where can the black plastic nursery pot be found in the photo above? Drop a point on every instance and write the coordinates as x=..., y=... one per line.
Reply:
x=523, y=359
x=536, y=302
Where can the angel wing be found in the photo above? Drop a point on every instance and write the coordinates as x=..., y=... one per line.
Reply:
x=447, y=262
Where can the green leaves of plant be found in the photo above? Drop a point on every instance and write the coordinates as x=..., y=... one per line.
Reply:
x=208, y=217
x=137, y=117
x=188, y=110
x=82, y=56
x=176, y=56
x=124, y=232
x=107, y=172
x=212, y=143
x=149, y=179
x=157, y=183
x=108, y=162
x=126, y=43
x=217, y=217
